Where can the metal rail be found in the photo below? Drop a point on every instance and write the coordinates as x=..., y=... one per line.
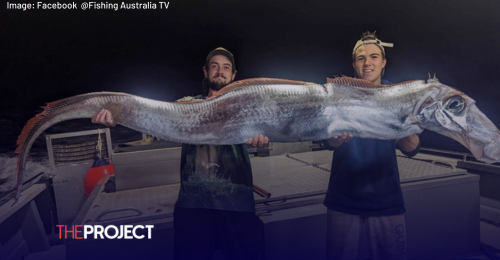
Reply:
x=447, y=153
x=50, y=147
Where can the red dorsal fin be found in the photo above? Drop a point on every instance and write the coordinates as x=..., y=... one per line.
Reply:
x=405, y=82
x=348, y=81
x=49, y=108
x=31, y=124
x=249, y=82
x=353, y=82
x=259, y=81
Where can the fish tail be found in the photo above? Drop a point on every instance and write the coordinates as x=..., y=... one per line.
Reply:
x=43, y=120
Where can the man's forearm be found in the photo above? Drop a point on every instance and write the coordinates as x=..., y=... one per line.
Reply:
x=409, y=143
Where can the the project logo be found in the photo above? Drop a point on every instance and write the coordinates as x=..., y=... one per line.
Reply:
x=109, y=232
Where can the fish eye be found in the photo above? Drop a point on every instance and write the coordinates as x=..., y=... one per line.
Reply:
x=455, y=104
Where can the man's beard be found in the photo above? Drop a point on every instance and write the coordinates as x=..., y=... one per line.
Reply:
x=214, y=85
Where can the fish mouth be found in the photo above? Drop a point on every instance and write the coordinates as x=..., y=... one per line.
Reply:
x=485, y=152
x=488, y=153
x=481, y=137
x=492, y=151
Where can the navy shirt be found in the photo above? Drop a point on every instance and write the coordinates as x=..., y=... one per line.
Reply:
x=364, y=178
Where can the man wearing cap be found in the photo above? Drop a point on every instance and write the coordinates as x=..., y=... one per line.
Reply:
x=364, y=188
x=215, y=208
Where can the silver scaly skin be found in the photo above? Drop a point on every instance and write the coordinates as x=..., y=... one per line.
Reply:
x=286, y=111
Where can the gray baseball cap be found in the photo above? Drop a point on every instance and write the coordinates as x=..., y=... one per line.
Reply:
x=221, y=51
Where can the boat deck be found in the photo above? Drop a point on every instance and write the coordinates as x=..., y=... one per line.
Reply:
x=442, y=202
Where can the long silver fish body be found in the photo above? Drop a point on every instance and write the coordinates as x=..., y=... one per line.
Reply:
x=286, y=111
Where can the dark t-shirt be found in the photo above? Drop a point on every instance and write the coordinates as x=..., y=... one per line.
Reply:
x=216, y=177
x=364, y=179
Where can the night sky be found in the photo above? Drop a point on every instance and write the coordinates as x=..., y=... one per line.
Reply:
x=46, y=55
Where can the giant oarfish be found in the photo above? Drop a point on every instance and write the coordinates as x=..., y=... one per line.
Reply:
x=287, y=111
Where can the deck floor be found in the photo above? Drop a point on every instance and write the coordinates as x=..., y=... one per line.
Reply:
x=287, y=175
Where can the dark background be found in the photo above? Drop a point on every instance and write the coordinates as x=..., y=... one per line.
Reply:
x=47, y=55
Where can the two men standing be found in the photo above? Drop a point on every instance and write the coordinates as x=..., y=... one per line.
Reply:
x=215, y=208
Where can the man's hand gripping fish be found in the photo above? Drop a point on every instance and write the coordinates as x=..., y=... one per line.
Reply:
x=286, y=111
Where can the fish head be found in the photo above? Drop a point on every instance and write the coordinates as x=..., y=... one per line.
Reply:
x=452, y=113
